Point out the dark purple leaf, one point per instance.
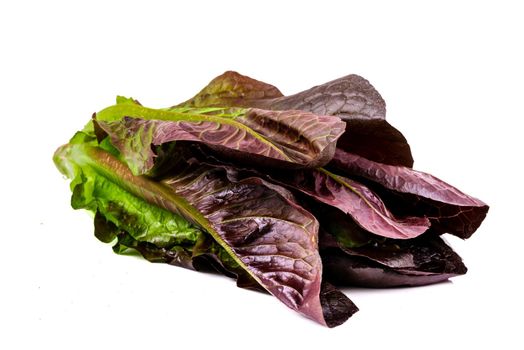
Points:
(336, 306)
(271, 236)
(424, 260)
(349, 97)
(344, 269)
(377, 140)
(176, 255)
(412, 192)
(355, 199)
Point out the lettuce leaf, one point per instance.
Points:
(354, 199)
(279, 138)
(349, 196)
(233, 89)
(99, 189)
(420, 261)
(349, 97)
(352, 98)
(257, 224)
(412, 192)
(353, 256)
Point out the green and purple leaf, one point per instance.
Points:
(233, 89)
(257, 223)
(282, 138)
(271, 236)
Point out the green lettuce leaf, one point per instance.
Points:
(99, 190)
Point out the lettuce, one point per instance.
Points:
(289, 195)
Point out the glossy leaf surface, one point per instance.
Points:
(288, 138)
(412, 192)
(354, 199)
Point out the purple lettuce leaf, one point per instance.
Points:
(352, 98)
(273, 237)
(349, 196)
(208, 256)
(349, 97)
(350, 260)
(410, 192)
(279, 138)
(352, 256)
(233, 89)
(354, 199)
(377, 140)
(258, 224)
(336, 306)
(351, 270)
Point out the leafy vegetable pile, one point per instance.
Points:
(288, 194)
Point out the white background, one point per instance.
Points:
(451, 74)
